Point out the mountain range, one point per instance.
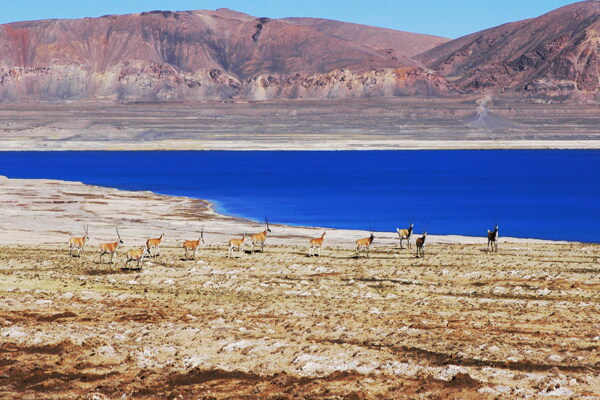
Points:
(227, 55)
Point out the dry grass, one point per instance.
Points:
(459, 323)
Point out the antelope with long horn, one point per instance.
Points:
(421, 245)
(236, 244)
(193, 245)
(493, 240)
(364, 244)
(136, 255)
(260, 238)
(405, 234)
(78, 242)
(111, 248)
(316, 243)
(154, 244)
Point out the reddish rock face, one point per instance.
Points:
(199, 55)
(555, 55)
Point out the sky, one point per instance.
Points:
(448, 18)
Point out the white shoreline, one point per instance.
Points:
(295, 144)
(42, 211)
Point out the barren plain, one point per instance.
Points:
(376, 123)
(458, 323)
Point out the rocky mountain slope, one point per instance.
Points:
(556, 55)
(390, 40)
(224, 54)
(199, 55)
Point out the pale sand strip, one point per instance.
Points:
(49, 212)
(294, 143)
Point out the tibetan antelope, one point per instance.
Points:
(316, 243)
(154, 244)
(493, 240)
(421, 245)
(110, 248)
(136, 255)
(405, 234)
(260, 238)
(236, 244)
(78, 242)
(364, 244)
(193, 245)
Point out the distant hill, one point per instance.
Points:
(225, 54)
(556, 55)
(405, 43)
(200, 55)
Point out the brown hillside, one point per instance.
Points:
(555, 55)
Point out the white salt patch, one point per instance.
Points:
(14, 332)
(449, 372)
(168, 281)
(555, 358)
(132, 282)
(242, 344)
(194, 361)
(543, 292)
(107, 351)
(561, 391)
(44, 302)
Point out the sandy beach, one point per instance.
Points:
(458, 323)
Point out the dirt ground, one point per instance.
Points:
(459, 323)
(354, 124)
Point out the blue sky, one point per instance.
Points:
(449, 18)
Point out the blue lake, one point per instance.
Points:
(547, 194)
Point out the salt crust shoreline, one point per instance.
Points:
(41, 211)
(296, 145)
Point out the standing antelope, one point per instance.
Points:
(236, 244)
(136, 255)
(318, 244)
(154, 243)
(78, 242)
(260, 238)
(405, 234)
(110, 248)
(421, 245)
(493, 240)
(364, 243)
(193, 245)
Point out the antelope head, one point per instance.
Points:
(267, 221)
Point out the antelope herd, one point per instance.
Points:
(77, 245)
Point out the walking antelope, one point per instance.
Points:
(78, 242)
(318, 244)
(193, 245)
(260, 238)
(110, 248)
(405, 234)
(493, 240)
(154, 244)
(236, 244)
(136, 255)
(421, 245)
(364, 244)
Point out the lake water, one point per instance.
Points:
(547, 194)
